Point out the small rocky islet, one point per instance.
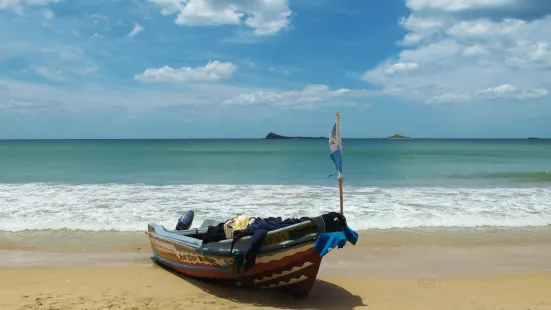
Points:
(275, 136)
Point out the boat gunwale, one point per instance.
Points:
(226, 252)
(187, 232)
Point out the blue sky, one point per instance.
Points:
(242, 68)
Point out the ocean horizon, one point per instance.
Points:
(260, 138)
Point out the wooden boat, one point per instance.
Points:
(287, 258)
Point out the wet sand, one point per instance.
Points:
(475, 269)
(137, 242)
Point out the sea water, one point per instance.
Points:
(121, 185)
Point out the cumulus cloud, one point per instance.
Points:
(265, 17)
(212, 71)
(461, 50)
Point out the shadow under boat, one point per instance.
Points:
(324, 295)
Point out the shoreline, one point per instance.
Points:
(82, 241)
(382, 252)
(351, 261)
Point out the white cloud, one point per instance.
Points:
(449, 98)
(418, 24)
(48, 72)
(308, 97)
(283, 70)
(411, 38)
(431, 52)
(484, 28)
(456, 5)
(500, 92)
(18, 5)
(29, 97)
(475, 50)
(48, 14)
(51, 60)
(531, 56)
(96, 97)
(265, 17)
(212, 71)
(470, 50)
(401, 67)
(137, 29)
(507, 91)
(421, 27)
(89, 70)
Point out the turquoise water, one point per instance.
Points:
(387, 163)
(125, 184)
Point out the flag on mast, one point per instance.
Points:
(335, 145)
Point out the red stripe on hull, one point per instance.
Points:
(199, 273)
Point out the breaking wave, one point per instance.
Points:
(129, 207)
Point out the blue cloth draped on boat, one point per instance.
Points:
(337, 233)
(258, 231)
(328, 241)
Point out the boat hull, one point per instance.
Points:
(292, 270)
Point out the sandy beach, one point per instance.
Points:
(431, 271)
(151, 287)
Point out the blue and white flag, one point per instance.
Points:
(335, 145)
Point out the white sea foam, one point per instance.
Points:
(131, 207)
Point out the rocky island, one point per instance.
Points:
(397, 137)
(274, 136)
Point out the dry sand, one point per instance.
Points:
(373, 287)
(389, 270)
(147, 287)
